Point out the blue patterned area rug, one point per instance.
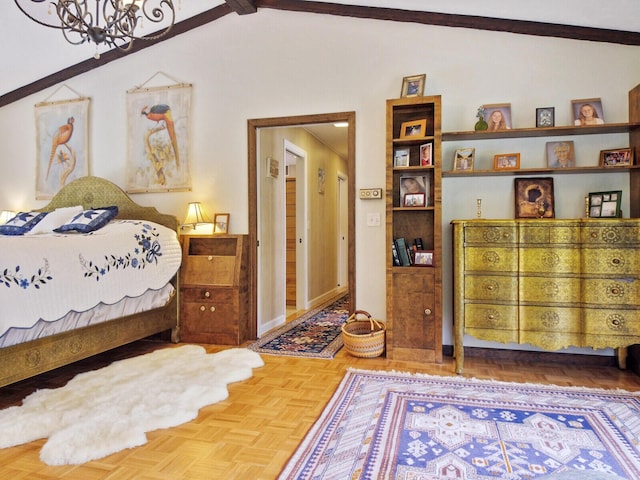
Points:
(316, 334)
(387, 425)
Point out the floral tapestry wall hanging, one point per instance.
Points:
(62, 144)
(158, 139)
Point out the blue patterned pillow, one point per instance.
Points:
(22, 223)
(89, 220)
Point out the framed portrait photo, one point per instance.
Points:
(426, 154)
(498, 116)
(534, 197)
(401, 157)
(414, 184)
(506, 161)
(545, 117)
(560, 154)
(463, 159)
(605, 204)
(413, 129)
(587, 111)
(413, 86)
(423, 258)
(221, 223)
(619, 157)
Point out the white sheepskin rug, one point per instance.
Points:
(104, 411)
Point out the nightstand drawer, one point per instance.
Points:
(208, 295)
(209, 270)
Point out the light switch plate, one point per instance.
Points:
(370, 193)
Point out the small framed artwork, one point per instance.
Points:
(414, 184)
(413, 86)
(587, 111)
(414, 200)
(426, 154)
(619, 157)
(560, 154)
(534, 197)
(401, 157)
(506, 161)
(413, 129)
(605, 204)
(498, 116)
(423, 258)
(545, 117)
(273, 167)
(463, 159)
(221, 223)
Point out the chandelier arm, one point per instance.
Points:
(39, 22)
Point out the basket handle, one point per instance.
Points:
(354, 318)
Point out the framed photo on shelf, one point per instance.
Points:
(414, 184)
(463, 160)
(423, 258)
(413, 129)
(506, 161)
(560, 154)
(414, 200)
(619, 157)
(498, 116)
(221, 223)
(605, 204)
(413, 86)
(545, 117)
(426, 154)
(401, 157)
(587, 111)
(534, 197)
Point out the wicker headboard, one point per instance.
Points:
(93, 192)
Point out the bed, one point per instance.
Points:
(32, 357)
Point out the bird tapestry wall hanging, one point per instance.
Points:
(158, 139)
(62, 136)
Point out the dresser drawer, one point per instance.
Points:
(611, 292)
(487, 316)
(550, 319)
(605, 233)
(490, 234)
(548, 290)
(551, 260)
(607, 321)
(491, 259)
(551, 340)
(611, 261)
(550, 234)
(491, 287)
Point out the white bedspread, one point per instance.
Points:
(45, 276)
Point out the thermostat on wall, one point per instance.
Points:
(370, 193)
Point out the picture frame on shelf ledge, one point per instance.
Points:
(414, 200)
(426, 154)
(413, 129)
(587, 111)
(560, 154)
(605, 204)
(423, 258)
(221, 223)
(463, 159)
(413, 86)
(401, 157)
(618, 157)
(506, 161)
(545, 117)
(497, 116)
(534, 197)
(414, 184)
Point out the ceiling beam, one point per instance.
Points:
(242, 7)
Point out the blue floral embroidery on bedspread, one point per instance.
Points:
(11, 277)
(146, 252)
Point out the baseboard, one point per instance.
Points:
(539, 357)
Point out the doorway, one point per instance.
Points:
(267, 240)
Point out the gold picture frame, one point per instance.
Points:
(221, 223)
(413, 129)
(463, 159)
(618, 157)
(413, 86)
(506, 161)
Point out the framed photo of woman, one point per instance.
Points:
(587, 111)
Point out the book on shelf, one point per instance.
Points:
(403, 252)
(417, 242)
(394, 253)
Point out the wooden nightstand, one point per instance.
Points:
(214, 289)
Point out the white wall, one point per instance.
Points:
(277, 63)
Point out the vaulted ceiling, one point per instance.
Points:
(41, 58)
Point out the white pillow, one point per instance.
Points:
(58, 217)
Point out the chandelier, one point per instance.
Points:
(112, 22)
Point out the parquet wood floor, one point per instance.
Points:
(252, 434)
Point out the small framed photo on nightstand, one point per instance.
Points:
(545, 117)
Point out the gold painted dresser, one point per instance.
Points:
(548, 283)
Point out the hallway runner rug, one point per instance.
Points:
(389, 425)
(316, 334)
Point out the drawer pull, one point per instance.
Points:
(210, 257)
(212, 309)
(594, 235)
(616, 261)
(207, 294)
(427, 311)
(204, 309)
(490, 287)
(615, 291)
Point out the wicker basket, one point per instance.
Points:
(363, 337)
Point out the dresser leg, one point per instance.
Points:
(622, 357)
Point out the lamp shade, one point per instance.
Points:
(195, 216)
